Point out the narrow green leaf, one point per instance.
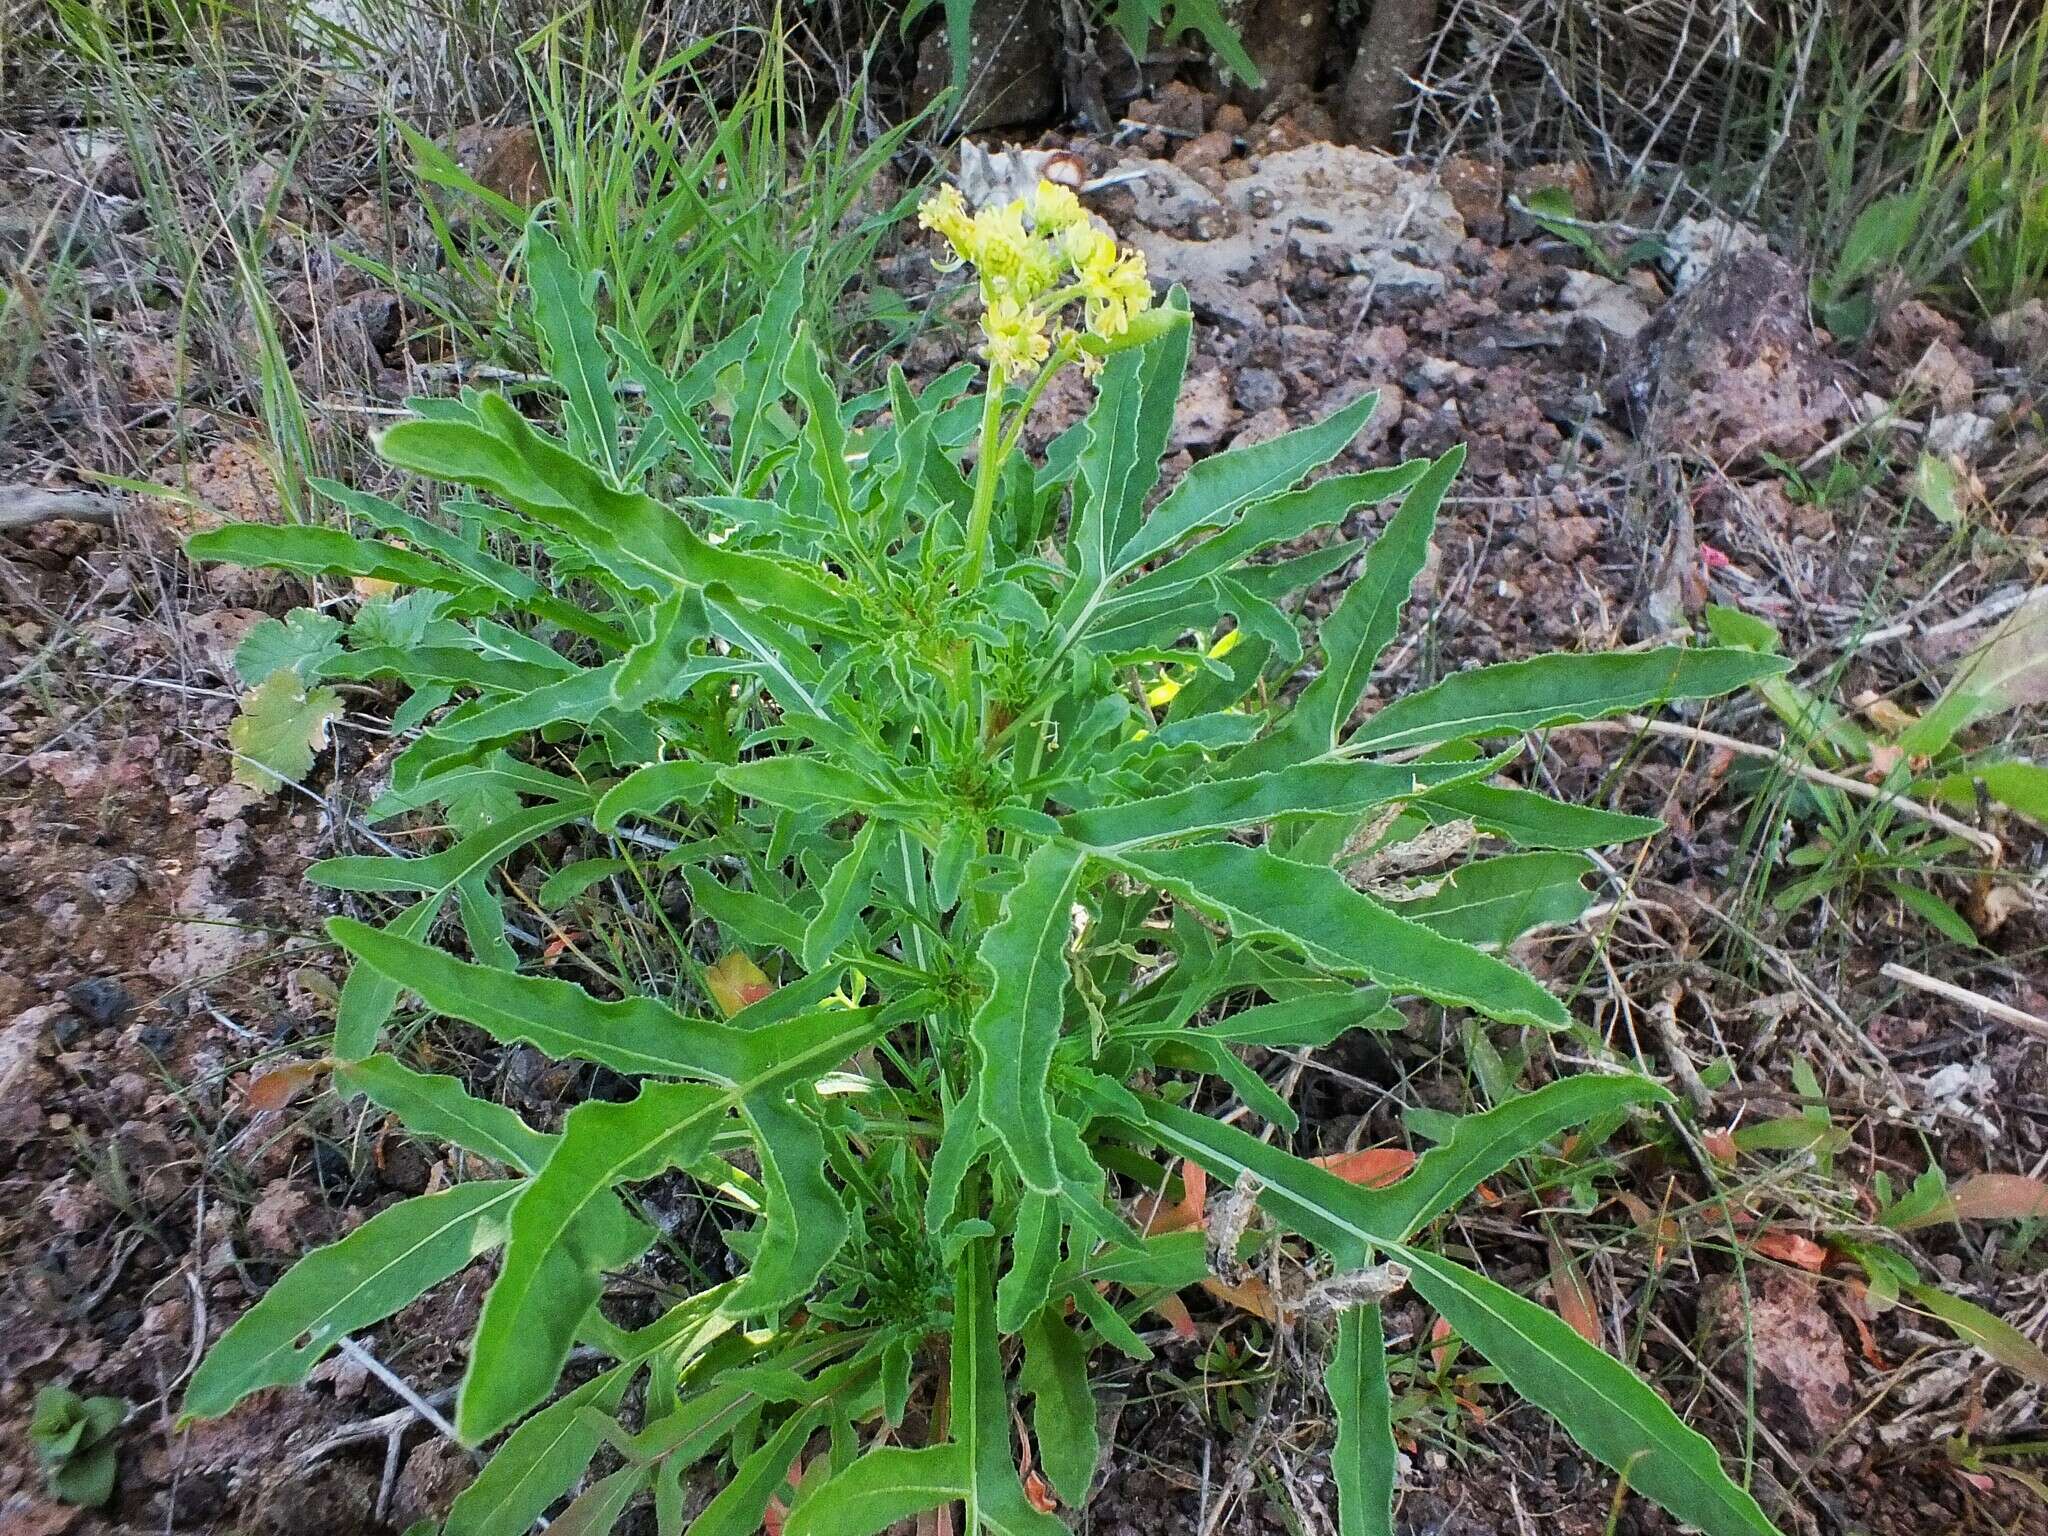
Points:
(1530, 820)
(1359, 628)
(566, 1230)
(843, 896)
(883, 1487)
(1597, 1400)
(440, 1107)
(383, 1265)
(1554, 690)
(1024, 956)
(1363, 1460)
(803, 1223)
(1034, 1255)
(1311, 909)
(1984, 1331)
(539, 1461)
(1320, 789)
(981, 1407)
(1055, 1377)
(1217, 488)
(565, 311)
(651, 790)
(438, 873)
(1493, 902)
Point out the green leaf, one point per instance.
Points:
(1024, 956)
(1981, 1330)
(651, 790)
(310, 551)
(572, 880)
(1055, 1377)
(565, 310)
(1218, 487)
(883, 1487)
(1119, 463)
(844, 894)
(1555, 690)
(1493, 902)
(597, 1509)
(281, 726)
(1597, 1400)
(437, 873)
(736, 1509)
(1311, 909)
(2022, 786)
(441, 1108)
(1363, 1459)
(383, 1265)
(567, 1228)
(641, 543)
(539, 1461)
(634, 1036)
(1530, 820)
(1359, 628)
(981, 1407)
(1034, 1255)
(1346, 1220)
(1320, 789)
(298, 643)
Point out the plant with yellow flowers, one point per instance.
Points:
(927, 864)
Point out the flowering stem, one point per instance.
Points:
(985, 472)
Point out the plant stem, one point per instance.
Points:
(985, 471)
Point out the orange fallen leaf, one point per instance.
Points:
(1038, 1493)
(1251, 1296)
(1373, 1167)
(1439, 1331)
(275, 1089)
(1655, 1225)
(1574, 1297)
(1189, 1212)
(1791, 1248)
(1175, 1311)
(1999, 1197)
(1720, 1146)
(1856, 1306)
(736, 982)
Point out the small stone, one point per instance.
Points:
(1203, 413)
(1230, 119)
(112, 882)
(2022, 333)
(1258, 389)
(1477, 190)
(100, 1000)
(1262, 428)
(1204, 152)
(1963, 434)
(1178, 108)
(1612, 306)
(1942, 377)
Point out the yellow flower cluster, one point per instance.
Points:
(1034, 257)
